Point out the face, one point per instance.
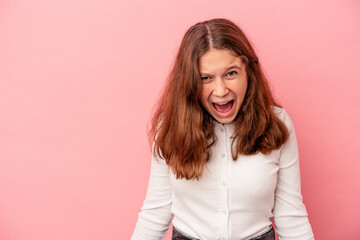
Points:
(224, 84)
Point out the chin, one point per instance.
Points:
(224, 120)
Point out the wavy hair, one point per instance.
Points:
(183, 131)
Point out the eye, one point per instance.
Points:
(205, 78)
(232, 73)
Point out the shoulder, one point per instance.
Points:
(283, 116)
(280, 112)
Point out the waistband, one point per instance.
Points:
(179, 235)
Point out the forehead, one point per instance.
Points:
(218, 59)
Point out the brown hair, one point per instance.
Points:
(183, 131)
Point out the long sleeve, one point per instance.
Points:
(155, 216)
(290, 215)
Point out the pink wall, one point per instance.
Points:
(78, 80)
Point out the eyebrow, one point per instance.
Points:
(227, 69)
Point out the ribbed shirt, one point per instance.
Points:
(233, 199)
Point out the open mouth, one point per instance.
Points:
(223, 107)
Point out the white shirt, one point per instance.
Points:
(233, 199)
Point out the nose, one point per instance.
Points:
(220, 89)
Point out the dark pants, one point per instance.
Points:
(269, 235)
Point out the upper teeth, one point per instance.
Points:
(222, 103)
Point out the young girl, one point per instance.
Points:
(225, 157)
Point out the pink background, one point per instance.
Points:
(78, 80)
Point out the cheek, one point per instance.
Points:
(245, 88)
(204, 96)
(242, 89)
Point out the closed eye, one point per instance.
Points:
(205, 78)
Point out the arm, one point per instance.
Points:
(155, 216)
(290, 216)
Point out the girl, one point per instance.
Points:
(225, 158)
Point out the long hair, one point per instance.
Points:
(183, 131)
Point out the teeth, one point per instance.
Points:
(223, 103)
